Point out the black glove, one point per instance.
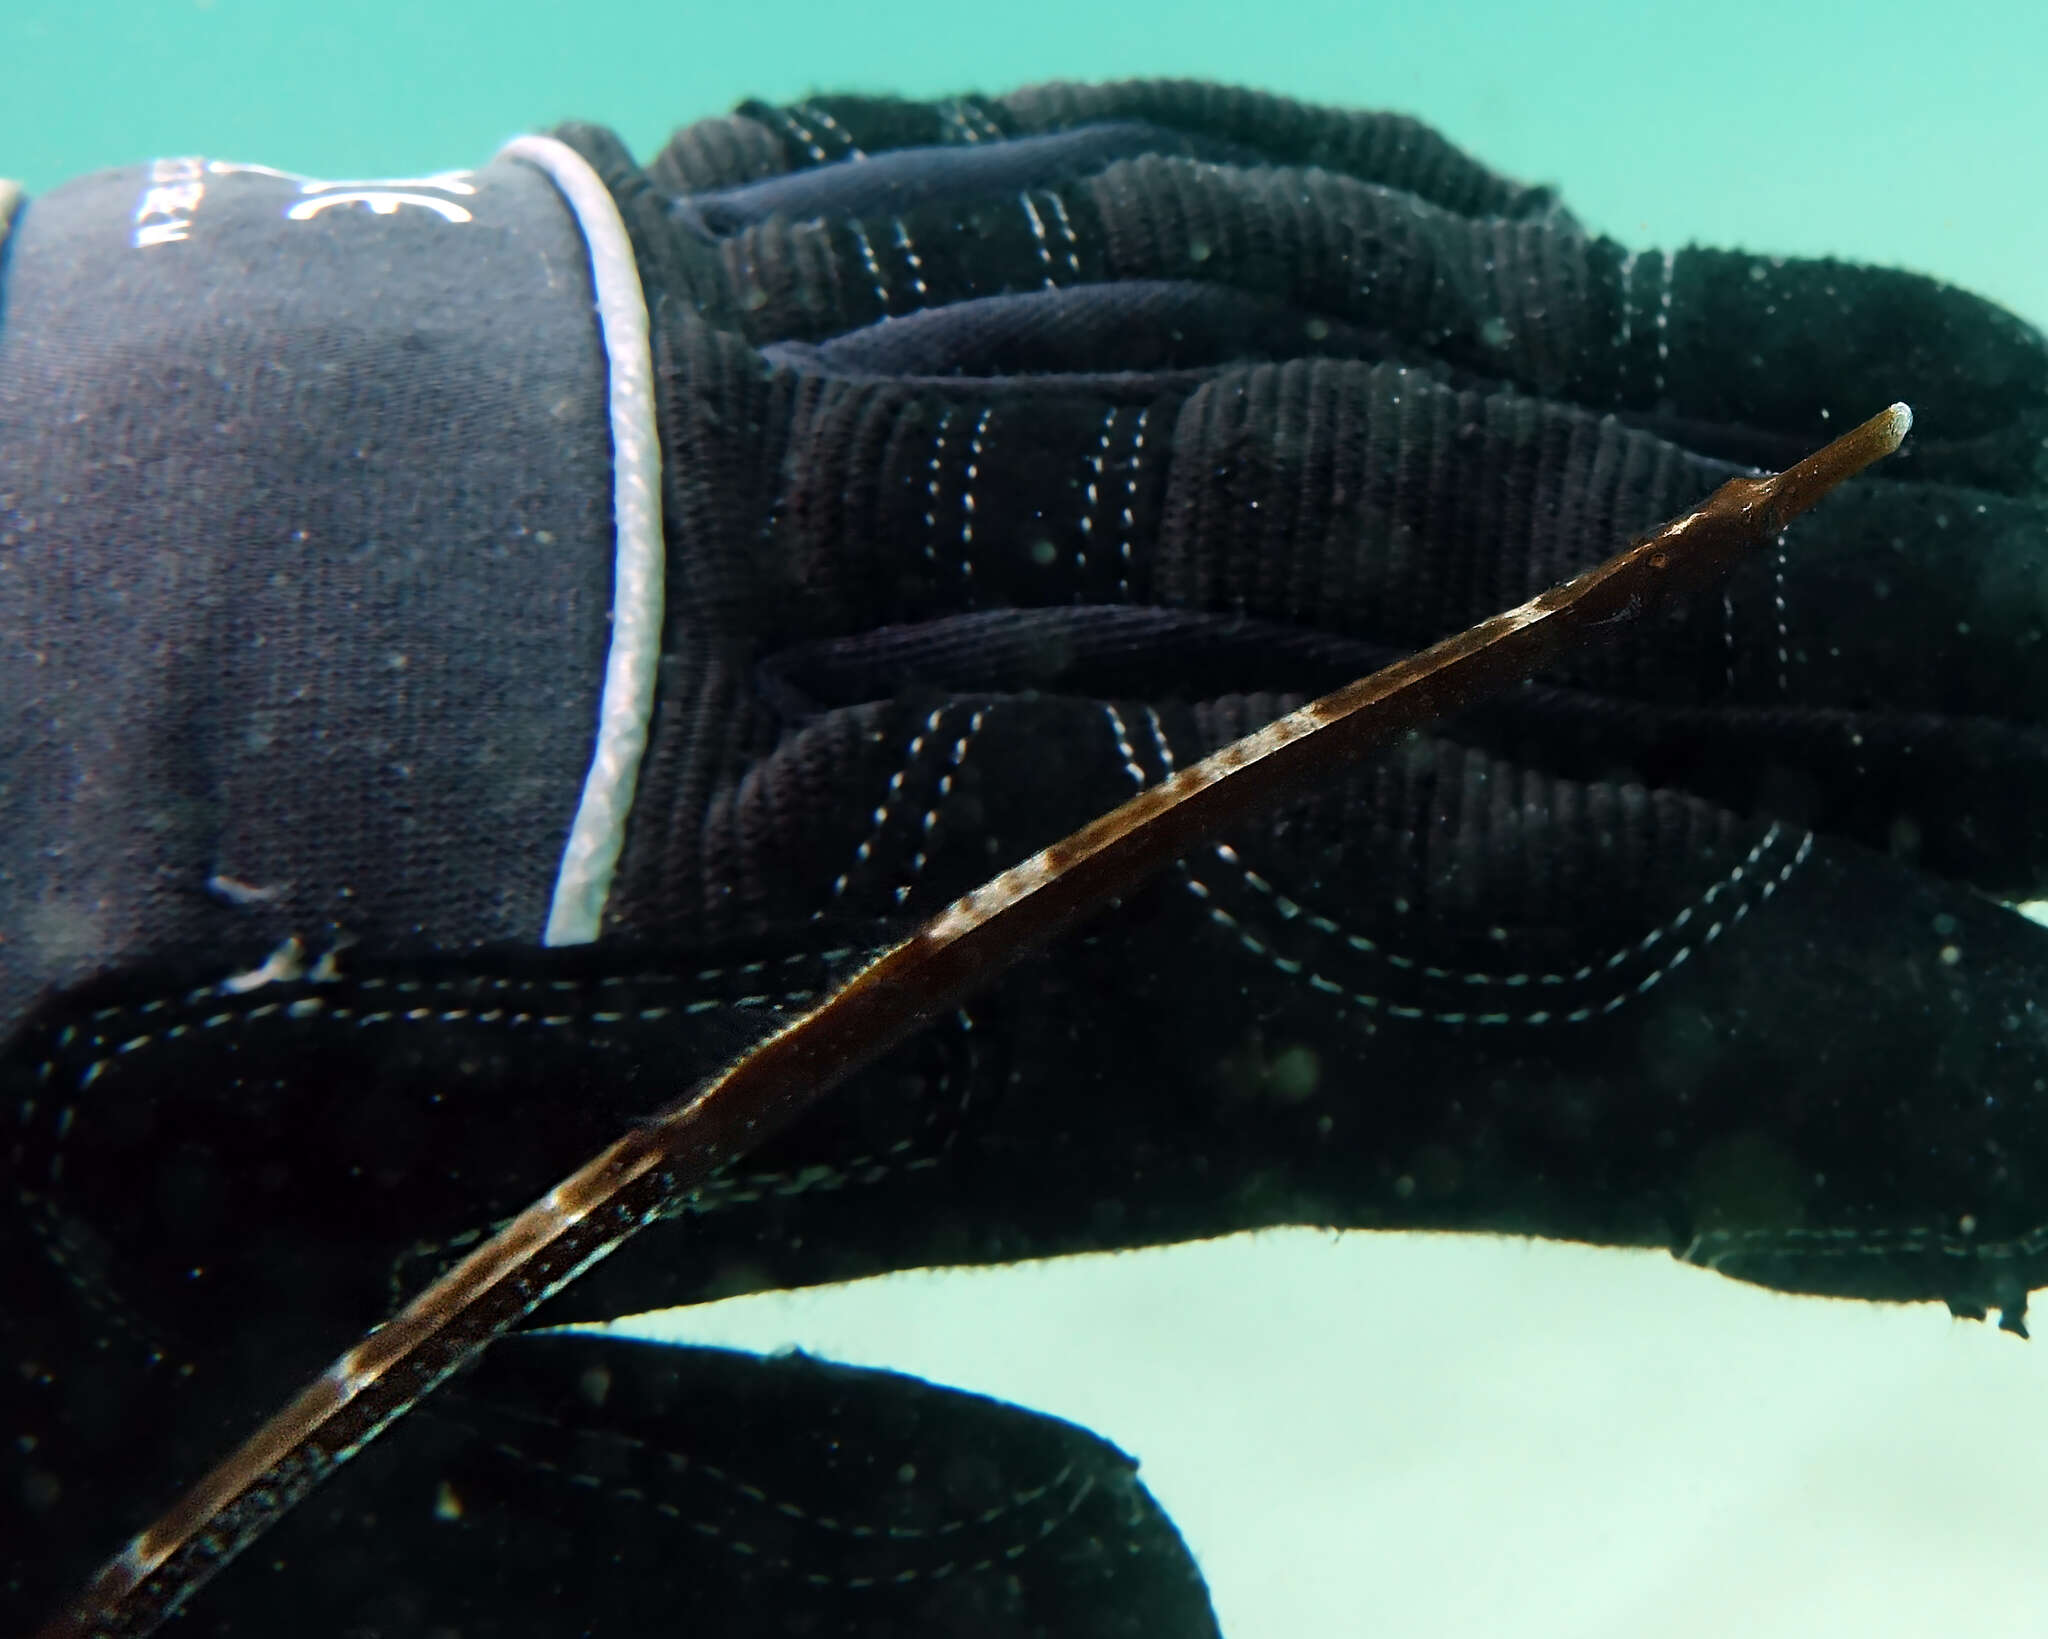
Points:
(1058, 440)
(1199, 433)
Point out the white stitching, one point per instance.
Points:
(910, 256)
(1059, 209)
(955, 115)
(823, 116)
(671, 1463)
(909, 1154)
(47, 1221)
(1092, 489)
(1289, 911)
(867, 253)
(338, 1008)
(865, 852)
(804, 134)
(1038, 232)
(903, 1155)
(1710, 1248)
(1124, 748)
(936, 468)
(1127, 518)
(1728, 637)
(973, 476)
(969, 110)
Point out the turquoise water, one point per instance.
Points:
(1389, 1434)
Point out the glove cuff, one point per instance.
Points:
(305, 506)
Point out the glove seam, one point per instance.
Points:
(590, 855)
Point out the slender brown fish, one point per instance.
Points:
(958, 952)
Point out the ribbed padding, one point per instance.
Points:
(888, 809)
(1466, 852)
(710, 728)
(1811, 345)
(1543, 398)
(1507, 299)
(843, 540)
(875, 124)
(1343, 220)
(814, 278)
(763, 139)
(1375, 500)
(772, 841)
(1387, 148)
(1538, 286)
(790, 279)
(717, 153)
(1374, 218)
(899, 503)
(1322, 241)
(725, 416)
(678, 271)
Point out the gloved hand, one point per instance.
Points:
(1201, 429)
(1016, 452)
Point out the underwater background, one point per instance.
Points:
(1361, 1433)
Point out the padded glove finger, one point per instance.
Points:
(763, 140)
(1103, 449)
(821, 500)
(1525, 299)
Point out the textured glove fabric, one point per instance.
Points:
(305, 527)
(1019, 451)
